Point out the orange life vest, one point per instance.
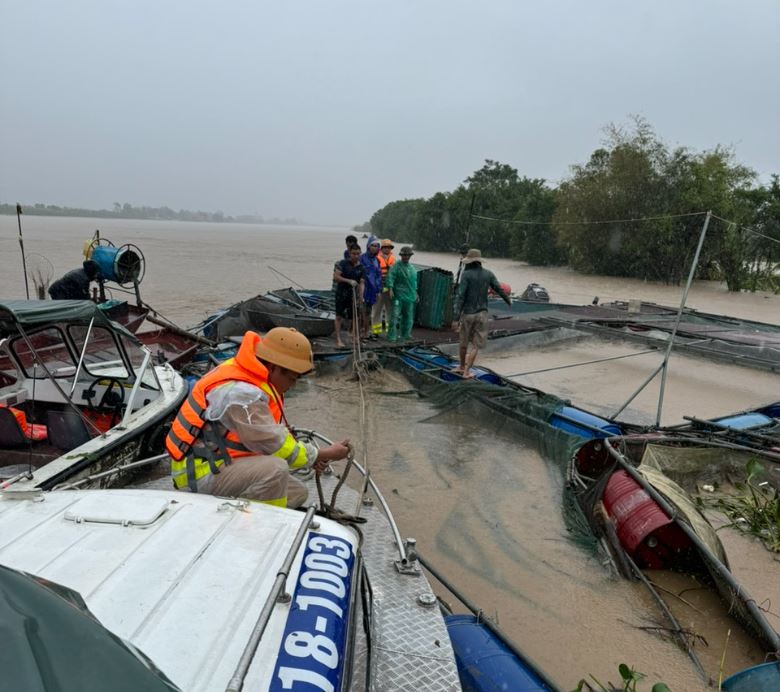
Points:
(189, 423)
(385, 263)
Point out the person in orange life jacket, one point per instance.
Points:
(384, 303)
(231, 438)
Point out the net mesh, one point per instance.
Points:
(528, 414)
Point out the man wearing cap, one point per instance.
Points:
(402, 289)
(384, 303)
(373, 281)
(231, 437)
(471, 315)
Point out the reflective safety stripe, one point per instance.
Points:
(293, 452)
(298, 459)
(198, 469)
(287, 447)
(279, 502)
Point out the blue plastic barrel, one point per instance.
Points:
(120, 264)
(485, 663)
(761, 678)
(105, 256)
(744, 421)
(582, 423)
(773, 410)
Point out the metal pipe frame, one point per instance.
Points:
(136, 386)
(110, 472)
(66, 398)
(691, 274)
(81, 357)
(385, 508)
(239, 675)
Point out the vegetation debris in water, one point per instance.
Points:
(755, 510)
(629, 678)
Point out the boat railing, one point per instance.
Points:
(136, 386)
(81, 357)
(404, 558)
(277, 593)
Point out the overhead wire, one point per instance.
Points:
(589, 223)
(747, 228)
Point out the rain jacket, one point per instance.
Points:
(402, 280)
(373, 279)
(232, 411)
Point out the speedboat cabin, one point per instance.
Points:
(70, 376)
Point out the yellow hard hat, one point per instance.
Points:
(288, 348)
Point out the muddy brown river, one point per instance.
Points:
(482, 502)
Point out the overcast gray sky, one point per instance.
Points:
(327, 109)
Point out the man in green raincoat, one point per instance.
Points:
(402, 283)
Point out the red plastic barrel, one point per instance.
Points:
(650, 537)
(504, 286)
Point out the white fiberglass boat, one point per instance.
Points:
(225, 594)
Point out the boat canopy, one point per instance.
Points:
(34, 313)
(39, 615)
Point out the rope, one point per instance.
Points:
(585, 362)
(330, 510)
(360, 373)
(359, 365)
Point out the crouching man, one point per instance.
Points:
(231, 437)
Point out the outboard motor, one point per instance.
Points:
(535, 294)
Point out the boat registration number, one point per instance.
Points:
(311, 654)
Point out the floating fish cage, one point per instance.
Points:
(434, 287)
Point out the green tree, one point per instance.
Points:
(604, 219)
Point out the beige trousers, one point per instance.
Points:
(383, 304)
(261, 478)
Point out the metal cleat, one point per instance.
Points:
(409, 565)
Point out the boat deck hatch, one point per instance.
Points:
(125, 510)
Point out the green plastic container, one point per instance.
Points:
(434, 286)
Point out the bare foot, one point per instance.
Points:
(339, 344)
(467, 376)
(457, 371)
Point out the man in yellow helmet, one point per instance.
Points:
(231, 437)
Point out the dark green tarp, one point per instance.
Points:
(50, 641)
(29, 314)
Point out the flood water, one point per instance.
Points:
(483, 503)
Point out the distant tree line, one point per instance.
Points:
(603, 218)
(129, 211)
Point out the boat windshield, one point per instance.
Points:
(51, 347)
(102, 356)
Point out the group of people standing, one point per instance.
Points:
(231, 437)
(374, 291)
